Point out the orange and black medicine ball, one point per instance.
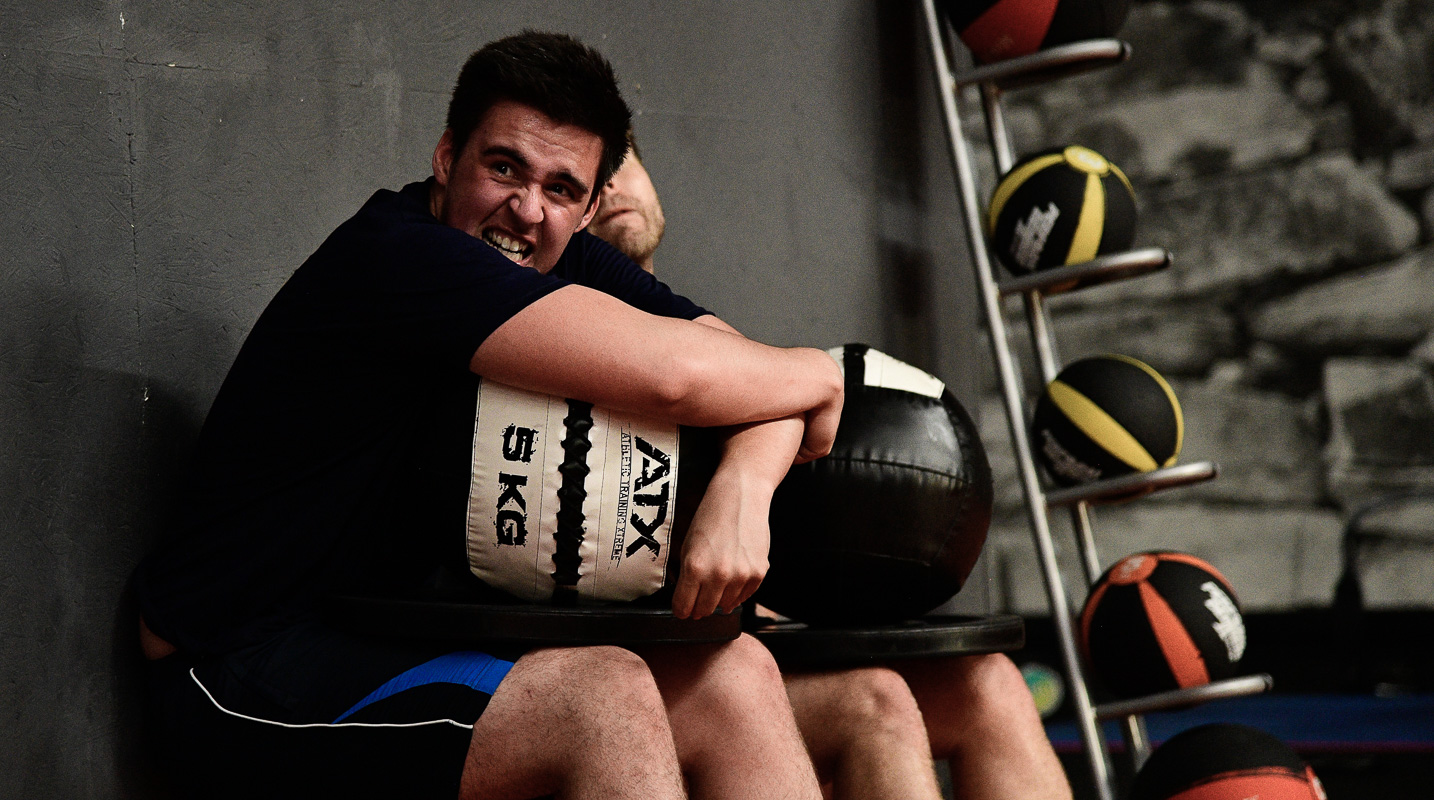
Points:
(1160, 621)
(1225, 761)
(889, 525)
(999, 29)
(1106, 416)
(1060, 207)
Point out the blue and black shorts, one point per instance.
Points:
(319, 712)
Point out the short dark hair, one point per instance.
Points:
(555, 74)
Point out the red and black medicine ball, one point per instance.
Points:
(1225, 761)
(889, 525)
(999, 29)
(1160, 621)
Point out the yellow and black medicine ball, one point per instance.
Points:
(1106, 416)
(1060, 207)
(1001, 29)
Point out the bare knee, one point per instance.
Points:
(855, 703)
(878, 698)
(844, 713)
(557, 717)
(752, 660)
(738, 679)
(991, 678)
(716, 692)
(596, 681)
(966, 699)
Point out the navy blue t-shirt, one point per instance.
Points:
(337, 451)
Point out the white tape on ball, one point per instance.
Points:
(883, 371)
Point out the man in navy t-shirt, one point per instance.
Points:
(335, 456)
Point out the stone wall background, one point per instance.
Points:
(1284, 152)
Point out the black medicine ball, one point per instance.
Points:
(1001, 29)
(1161, 621)
(888, 526)
(1060, 207)
(1225, 761)
(1106, 416)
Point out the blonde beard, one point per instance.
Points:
(637, 244)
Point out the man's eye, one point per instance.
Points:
(561, 191)
(502, 169)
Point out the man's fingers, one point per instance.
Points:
(708, 599)
(751, 588)
(695, 598)
(821, 431)
(684, 597)
(733, 596)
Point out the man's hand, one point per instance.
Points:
(822, 419)
(821, 429)
(724, 557)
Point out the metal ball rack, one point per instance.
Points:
(990, 82)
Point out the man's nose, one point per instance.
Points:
(527, 204)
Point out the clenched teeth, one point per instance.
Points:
(515, 251)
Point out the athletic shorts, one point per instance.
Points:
(319, 712)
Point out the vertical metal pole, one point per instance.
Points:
(996, 128)
(1085, 540)
(1043, 341)
(1041, 338)
(1015, 417)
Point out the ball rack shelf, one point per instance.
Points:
(990, 82)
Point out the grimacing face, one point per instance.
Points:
(521, 183)
(629, 216)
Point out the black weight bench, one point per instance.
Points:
(793, 644)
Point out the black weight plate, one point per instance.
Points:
(797, 645)
(527, 624)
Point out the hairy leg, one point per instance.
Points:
(574, 723)
(980, 715)
(865, 734)
(733, 726)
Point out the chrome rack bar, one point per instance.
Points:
(1127, 486)
(1048, 65)
(1015, 416)
(1234, 687)
(1099, 270)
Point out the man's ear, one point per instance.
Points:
(592, 208)
(443, 157)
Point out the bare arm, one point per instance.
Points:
(578, 342)
(724, 556)
(820, 423)
(781, 405)
(725, 552)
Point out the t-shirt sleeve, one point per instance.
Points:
(416, 295)
(592, 262)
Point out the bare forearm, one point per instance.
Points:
(763, 451)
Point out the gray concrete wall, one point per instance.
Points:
(166, 166)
